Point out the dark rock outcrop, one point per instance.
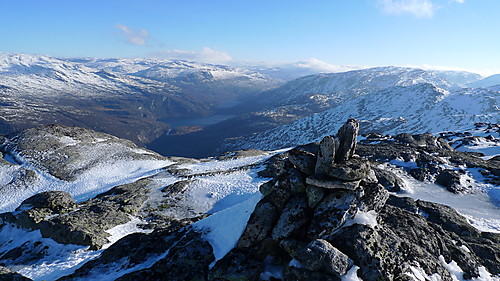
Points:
(57, 216)
(56, 201)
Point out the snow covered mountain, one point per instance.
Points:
(336, 88)
(493, 80)
(83, 205)
(133, 98)
(415, 108)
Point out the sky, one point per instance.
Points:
(446, 34)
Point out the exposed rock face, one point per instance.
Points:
(188, 259)
(55, 201)
(57, 216)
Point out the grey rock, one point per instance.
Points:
(292, 220)
(237, 266)
(326, 154)
(423, 140)
(451, 180)
(293, 181)
(389, 180)
(304, 161)
(87, 224)
(47, 148)
(447, 217)
(332, 183)
(188, 259)
(132, 250)
(350, 170)
(259, 225)
(177, 187)
(347, 136)
(278, 197)
(314, 195)
(320, 255)
(273, 165)
(374, 197)
(294, 273)
(332, 212)
(55, 201)
(241, 154)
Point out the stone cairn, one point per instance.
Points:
(316, 190)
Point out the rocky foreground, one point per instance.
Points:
(327, 211)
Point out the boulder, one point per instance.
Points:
(292, 219)
(349, 170)
(332, 183)
(326, 154)
(259, 225)
(374, 197)
(347, 136)
(188, 259)
(320, 255)
(236, 265)
(304, 161)
(389, 180)
(451, 179)
(314, 195)
(88, 222)
(332, 212)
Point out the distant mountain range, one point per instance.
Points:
(170, 105)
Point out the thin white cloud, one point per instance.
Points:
(138, 37)
(321, 66)
(417, 8)
(205, 55)
(459, 1)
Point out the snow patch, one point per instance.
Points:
(58, 259)
(122, 230)
(365, 218)
(351, 275)
(223, 229)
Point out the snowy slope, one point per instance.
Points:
(347, 85)
(489, 81)
(413, 109)
(223, 187)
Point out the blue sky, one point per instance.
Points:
(462, 34)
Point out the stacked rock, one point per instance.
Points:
(318, 189)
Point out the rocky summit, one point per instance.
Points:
(337, 209)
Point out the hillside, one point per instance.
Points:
(72, 211)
